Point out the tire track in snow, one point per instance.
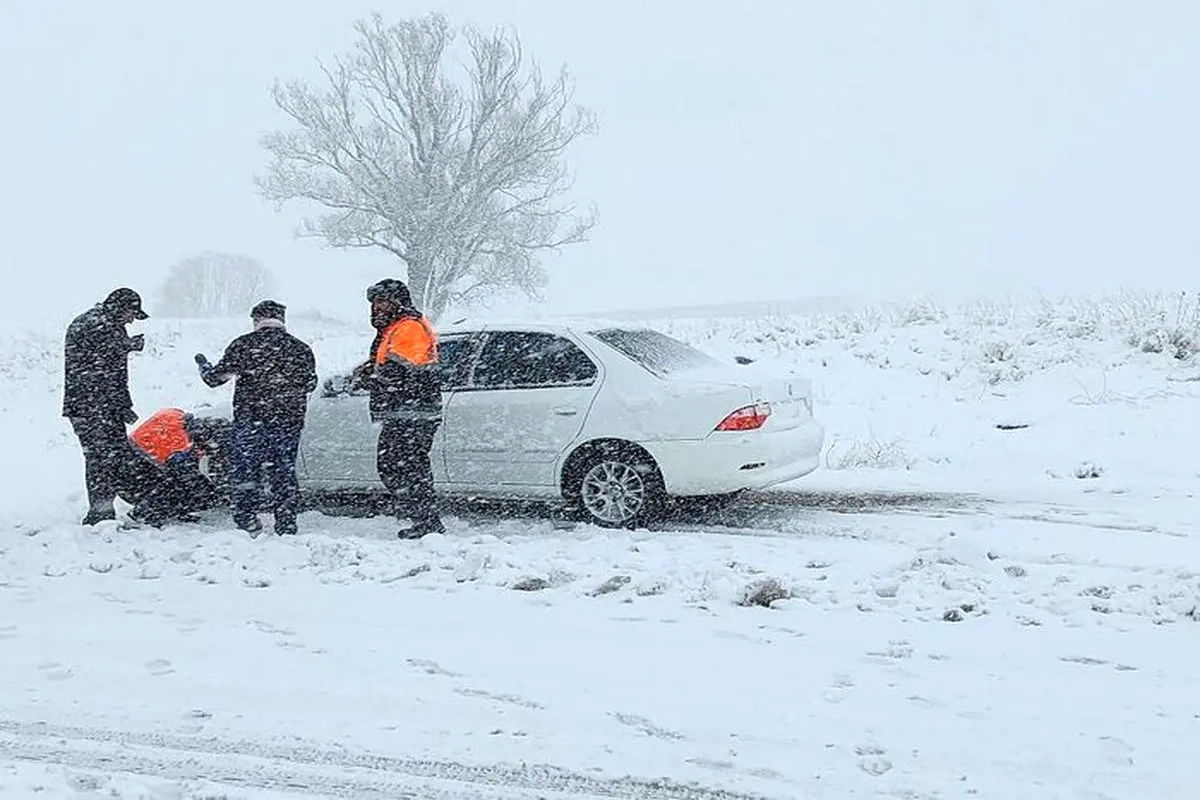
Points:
(777, 514)
(308, 769)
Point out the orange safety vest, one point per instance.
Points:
(411, 339)
(163, 435)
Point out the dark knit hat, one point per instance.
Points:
(268, 309)
(390, 290)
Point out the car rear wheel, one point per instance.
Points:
(617, 487)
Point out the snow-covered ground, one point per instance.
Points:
(990, 589)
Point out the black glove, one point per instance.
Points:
(202, 362)
(136, 343)
(130, 417)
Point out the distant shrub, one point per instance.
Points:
(866, 453)
(1000, 362)
(212, 285)
(920, 312)
(1159, 323)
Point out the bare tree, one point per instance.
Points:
(213, 285)
(461, 179)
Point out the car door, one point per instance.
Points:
(337, 448)
(456, 357)
(339, 443)
(526, 401)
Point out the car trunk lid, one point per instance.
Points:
(787, 395)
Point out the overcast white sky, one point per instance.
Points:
(746, 150)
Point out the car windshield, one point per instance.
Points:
(657, 352)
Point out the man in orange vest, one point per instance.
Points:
(171, 483)
(406, 397)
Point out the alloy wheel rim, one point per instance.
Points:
(613, 491)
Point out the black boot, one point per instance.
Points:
(142, 515)
(422, 528)
(250, 524)
(94, 517)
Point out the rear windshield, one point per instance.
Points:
(657, 352)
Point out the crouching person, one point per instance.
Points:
(170, 484)
(275, 372)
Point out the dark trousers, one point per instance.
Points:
(265, 449)
(404, 468)
(176, 488)
(107, 455)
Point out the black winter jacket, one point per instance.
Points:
(96, 367)
(275, 373)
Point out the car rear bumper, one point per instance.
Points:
(730, 461)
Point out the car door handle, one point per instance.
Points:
(565, 411)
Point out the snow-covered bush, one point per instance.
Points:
(1160, 323)
(999, 362)
(764, 592)
(866, 453)
(1070, 319)
(920, 312)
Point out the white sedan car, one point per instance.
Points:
(611, 419)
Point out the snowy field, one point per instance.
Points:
(990, 589)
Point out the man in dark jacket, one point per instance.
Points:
(406, 397)
(275, 373)
(96, 394)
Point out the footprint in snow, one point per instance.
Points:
(874, 765)
(159, 666)
(55, 671)
(838, 689)
(871, 759)
(8, 631)
(266, 627)
(1085, 660)
(646, 726)
(896, 649)
(431, 668)
(1116, 751)
(510, 699)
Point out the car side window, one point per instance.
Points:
(526, 359)
(454, 360)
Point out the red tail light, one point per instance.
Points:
(747, 418)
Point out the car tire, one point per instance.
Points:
(615, 486)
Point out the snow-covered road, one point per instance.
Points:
(933, 641)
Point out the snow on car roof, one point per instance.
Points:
(555, 324)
